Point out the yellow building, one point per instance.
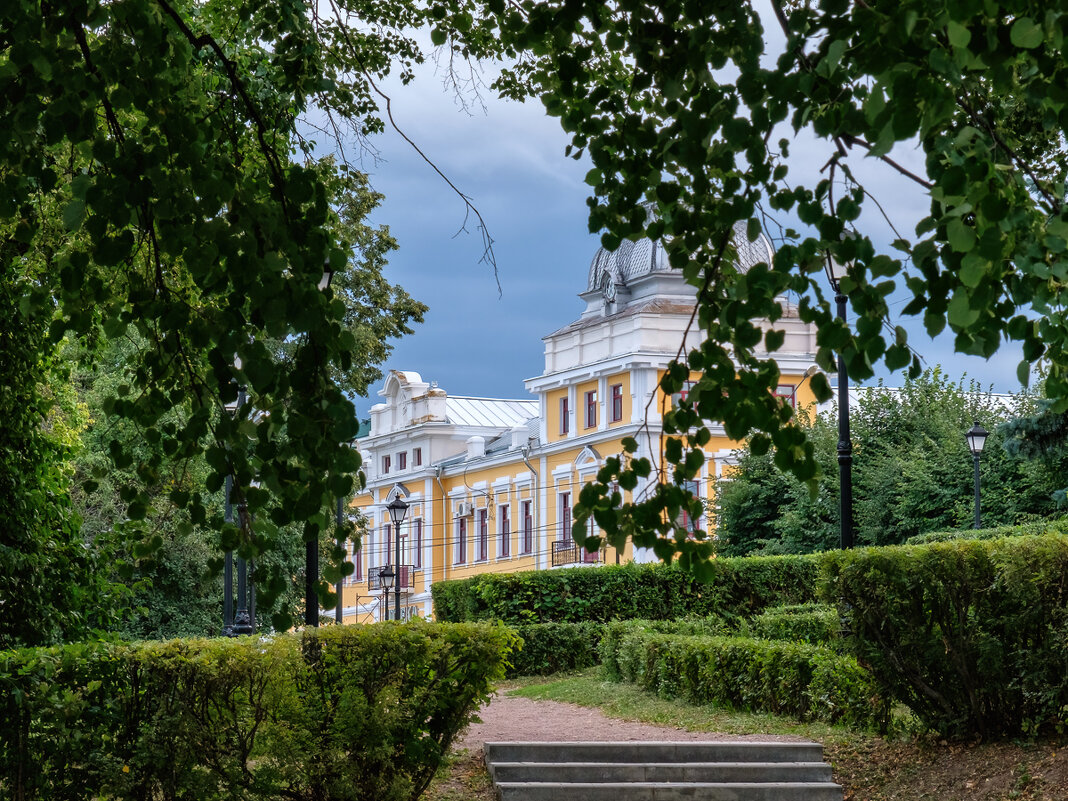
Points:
(491, 483)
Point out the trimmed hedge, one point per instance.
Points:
(554, 647)
(738, 588)
(1026, 529)
(971, 634)
(816, 624)
(343, 713)
(804, 681)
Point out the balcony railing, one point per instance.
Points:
(569, 553)
(405, 577)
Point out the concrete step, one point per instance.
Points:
(659, 771)
(704, 772)
(669, 791)
(658, 752)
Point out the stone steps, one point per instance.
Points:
(661, 771)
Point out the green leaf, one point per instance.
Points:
(821, 387)
(74, 214)
(773, 340)
(961, 237)
(1026, 33)
(960, 312)
(973, 268)
(959, 36)
(1023, 373)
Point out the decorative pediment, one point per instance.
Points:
(587, 457)
(396, 490)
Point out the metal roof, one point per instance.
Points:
(634, 259)
(492, 412)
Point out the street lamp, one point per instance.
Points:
(835, 273)
(244, 621)
(387, 577)
(311, 547)
(976, 437)
(398, 508)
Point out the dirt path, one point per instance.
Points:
(510, 718)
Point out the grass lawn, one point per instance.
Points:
(869, 767)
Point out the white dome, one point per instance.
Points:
(634, 259)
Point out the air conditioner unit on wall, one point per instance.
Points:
(465, 509)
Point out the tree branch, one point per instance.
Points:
(487, 254)
(208, 41)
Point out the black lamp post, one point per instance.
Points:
(338, 617)
(311, 547)
(243, 622)
(398, 508)
(388, 578)
(976, 437)
(836, 272)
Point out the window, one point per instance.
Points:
(691, 524)
(591, 409)
(385, 465)
(387, 539)
(402, 460)
(505, 526)
(357, 558)
(565, 517)
(461, 540)
(788, 392)
(683, 393)
(587, 556)
(563, 415)
(417, 457)
(417, 542)
(528, 527)
(617, 402)
(483, 535)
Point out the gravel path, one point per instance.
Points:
(510, 719)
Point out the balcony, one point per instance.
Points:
(569, 553)
(405, 577)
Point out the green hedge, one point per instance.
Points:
(804, 681)
(1025, 529)
(971, 634)
(738, 588)
(816, 624)
(342, 713)
(554, 647)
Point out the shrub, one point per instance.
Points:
(805, 681)
(611, 640)
(555, 647)
(737, 588)
(1027, 529)
(971, 634)
(343, 713)
(816, 624)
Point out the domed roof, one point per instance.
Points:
(634, 259)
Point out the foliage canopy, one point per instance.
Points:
(150, 179)
(913, 474)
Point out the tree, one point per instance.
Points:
(161, 135)
(677, 102)
(151, 191)
(912, 474)
(172, 591)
